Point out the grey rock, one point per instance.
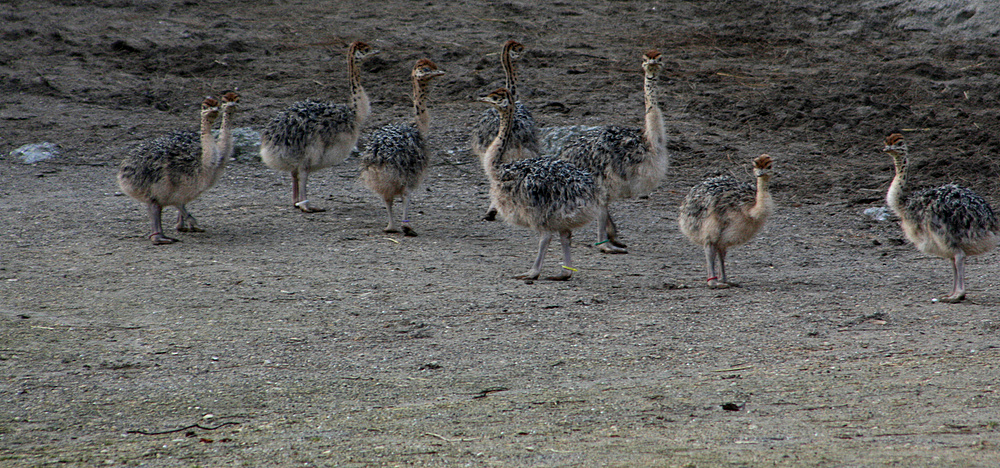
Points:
(246, 144)
(35, 152)
(881, 213)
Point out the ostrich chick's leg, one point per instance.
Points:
(407, 231)
(612, 232)
(566, 271)
(722, 270)
(605, 236)
(713, 278)
(186, 222)
(391, 227)
(958, 283)
(543, 245)
(299, 178)
(155, 210)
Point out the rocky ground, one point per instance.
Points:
(278, 338)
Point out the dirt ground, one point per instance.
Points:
(317, 340)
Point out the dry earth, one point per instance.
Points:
(317, 340)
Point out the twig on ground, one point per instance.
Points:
(193, 426)
(737, 368)
(439, 436)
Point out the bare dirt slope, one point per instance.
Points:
(304, 340)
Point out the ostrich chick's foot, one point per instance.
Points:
(612, 248)
(565, 275)
(409, 232)
(530, 275)
(186, 222)
(491, 215)
(954, 298)
(714, 283)
(159, 239)
(305, 207)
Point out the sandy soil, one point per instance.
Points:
(317, 340)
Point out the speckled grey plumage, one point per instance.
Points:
(718, 194)
(608, 150)
(954, 213)
(174, 156)
(524, 135)
(549, 187)
(398, 148)
(293, 129)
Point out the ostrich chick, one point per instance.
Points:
(627, 162)
(169, 171)
(395, 158)
(950, 222)
(525, 132)
(545, 194)
(722, 212)
(312, 135)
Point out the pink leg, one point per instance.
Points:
(299, 197)
(567, 269)
(612, 231)
(186, 222)
(543, 245)
(407, 230)
(155, 211)
(711, 255)
(722, 269)
(606, 233)
(958, 283)
(391, 227)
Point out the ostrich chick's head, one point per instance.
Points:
(651, 63)
(500, 98)
(895, 146)
(210, 108)
(425, 70)
(229, 101)
(762, 166)
(513, 49)
(361, 51)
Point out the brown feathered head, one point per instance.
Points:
(762, 166)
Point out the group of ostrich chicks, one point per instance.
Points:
(552, 194)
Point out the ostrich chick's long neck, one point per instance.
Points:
(894, 196)
(226, 135)
(509, 73)
(210, 153)
(655, 133)
(763, 203)
(421, 117)
(359, 98)
(493, 161)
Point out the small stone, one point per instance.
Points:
(246, 143)
(35, 152)
(880, 213)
